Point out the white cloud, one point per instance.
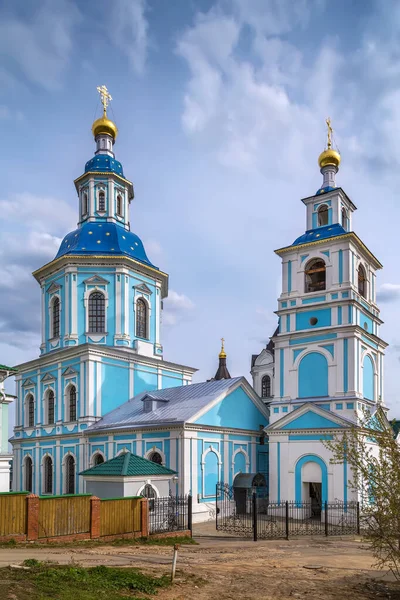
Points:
(40, 213)
(128, 30)
(40, 42)
(177, 307)
(388, 292)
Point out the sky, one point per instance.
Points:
(221, 108)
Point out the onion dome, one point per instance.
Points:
(103, 239)
(329, 157)
(104, 126)
(104, 164)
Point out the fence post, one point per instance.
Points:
(358, 518)
(32, 513)
(144, 517)
(216, 506)
(287, 519)
(190, 505)
(326, 518)
(255, 516)
(95, 517)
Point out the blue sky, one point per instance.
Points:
(221, 106)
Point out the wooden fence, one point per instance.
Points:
(64, 515)
(120, 515)
(66, 518)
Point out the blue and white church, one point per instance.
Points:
(324, 364)
(101, 385)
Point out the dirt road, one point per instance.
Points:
(230, 569)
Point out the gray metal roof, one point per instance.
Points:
(180, 405)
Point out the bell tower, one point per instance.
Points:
(328, 349)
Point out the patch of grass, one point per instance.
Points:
(32, 562)
(154, 541)
(44, 582)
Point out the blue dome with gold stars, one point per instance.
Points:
(320, 233)
(105, 164)
(103, 238)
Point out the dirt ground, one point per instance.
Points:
(227, 568)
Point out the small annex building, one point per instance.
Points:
(128, 475)
(205, 433)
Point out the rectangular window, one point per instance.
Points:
(350, 405)
(276, 410)
(339, 406)
(285, 409)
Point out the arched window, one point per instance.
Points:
(102, 201)
(344, 219)
(97, 313)
(50, 407)
(322, 215)
(98, 459)
(149, 492)
(30, 405)
(84, 203)
(48, 475)
(315, 276)
(70, 475)
(362, 281)
(55, 317)
(72, 403)
(119, 205)
(141, 318)
(28, 474)
(266, 386)
(156, 457)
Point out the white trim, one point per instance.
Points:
(149, 482)
(160, 452)
(203, 462)
(67, 416)
(92, 464)
(64, 472)
(42, 474)
(148, 315)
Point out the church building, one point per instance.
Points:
(101, 385)
(324, 365)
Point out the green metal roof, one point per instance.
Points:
(5, 368)
(128, 465)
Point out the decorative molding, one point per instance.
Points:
(143, 288)
(47, 378)
(70, 371)
(96, 280)
(54, 287)
(28, 382)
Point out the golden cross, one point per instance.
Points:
(222, 342)
(105, 97)
(330, 130)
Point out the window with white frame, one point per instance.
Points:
(28, 468)
(84, 203)
(97, 313)
(48, 475)
(30, 410)
(55, 317)
(119, 205)
(50, 407)
(141, 318)
(102, 201)
(71, 403)
(70, 474)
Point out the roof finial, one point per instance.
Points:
(222, 354)
(330, 130)
(105, 97)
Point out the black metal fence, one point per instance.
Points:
(254, 515)
(171, 513)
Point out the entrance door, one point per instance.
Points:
(316, 499)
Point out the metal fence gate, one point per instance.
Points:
(256, 516)
(171, 513)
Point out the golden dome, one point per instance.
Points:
(104, 126)
(329, 157)
(222, 354)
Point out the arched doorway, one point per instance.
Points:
(311, 482)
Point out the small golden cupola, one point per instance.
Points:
(222, 371)
(329, 161)
(104, 125)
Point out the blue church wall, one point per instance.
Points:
(313, 376)
(145, 380)
(236, 410)
(240, 463)
(311, 420)
(114, 387)
(303, 318)
(368, 378)
(211, 474)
